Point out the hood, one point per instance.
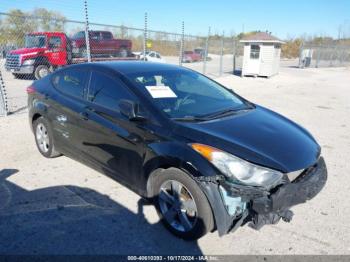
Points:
(260, 136)
(27, 51)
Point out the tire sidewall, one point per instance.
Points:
(37, 70)
(123, 52)
(50, 153)
(205, 220)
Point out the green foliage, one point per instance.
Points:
(291, 48)
(18, 23)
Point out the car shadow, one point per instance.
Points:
(75, 220)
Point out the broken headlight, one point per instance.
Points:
(238, 169)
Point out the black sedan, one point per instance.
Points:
(207, 158)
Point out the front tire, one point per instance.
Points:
(181, 204)
(44, 138)
(41, 71)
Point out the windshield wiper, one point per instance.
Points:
(226, 112)
(189, 119)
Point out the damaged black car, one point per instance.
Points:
(207, 158)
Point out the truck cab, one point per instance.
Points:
(42, 53)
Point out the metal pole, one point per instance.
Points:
(145, 39)
(300, 54)
(221, 53)
(87, 38)
(319, 50)
(3, 98)
(234, 55)
(206, 53)
(182, 43)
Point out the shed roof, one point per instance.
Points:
(261, 37)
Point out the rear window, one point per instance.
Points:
(79, 35)
(106, 35)
(71, 82)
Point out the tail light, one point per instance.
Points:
(31, 90)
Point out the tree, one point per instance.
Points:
(18, 23)
(15, 26)
(50, 20)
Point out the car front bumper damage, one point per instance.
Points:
(235, 205)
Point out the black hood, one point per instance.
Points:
(259, 136)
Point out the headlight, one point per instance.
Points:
(28, 62)
(235, 168)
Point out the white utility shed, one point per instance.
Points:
(262, 53)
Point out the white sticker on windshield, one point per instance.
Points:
(161, 91)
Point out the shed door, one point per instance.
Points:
(254, 60)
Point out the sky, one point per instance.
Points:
(284, 18)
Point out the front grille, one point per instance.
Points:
(12, 61)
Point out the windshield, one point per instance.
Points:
(35, 41)
(186, 94)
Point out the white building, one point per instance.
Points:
(262, 53)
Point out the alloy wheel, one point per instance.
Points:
(177, 206)
(42, 138)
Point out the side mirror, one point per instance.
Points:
(131, 110)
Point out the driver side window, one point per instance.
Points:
(107, 91)
(55, 41)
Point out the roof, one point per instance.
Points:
(261, 37)
(129, 67)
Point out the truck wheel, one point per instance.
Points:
(181, 204)
(83, 52)
(41, 71)
(123, 52)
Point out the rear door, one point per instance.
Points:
(109, 137)
(67, 107)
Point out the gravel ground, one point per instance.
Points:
(59, 206)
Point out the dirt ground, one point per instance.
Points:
(59, 206)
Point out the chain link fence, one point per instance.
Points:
(36, 43)
(330, 55)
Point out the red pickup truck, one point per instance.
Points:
(43, 52)
(101, 43)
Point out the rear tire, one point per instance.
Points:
(192, 217)
(123, 52)
(44, 138)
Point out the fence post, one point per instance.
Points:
(87, 36)
(319, 50)
(206, 52)
(182, 43)
(145, 38)
(300, 54)
(3, 97)
(221, 53)
(234, 55)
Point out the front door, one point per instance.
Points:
(254, 60)
(109, 137)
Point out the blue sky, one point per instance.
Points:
(283, 18)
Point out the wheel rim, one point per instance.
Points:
(177, 206)
(42, 138)
(123, 53)
(43, 71)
